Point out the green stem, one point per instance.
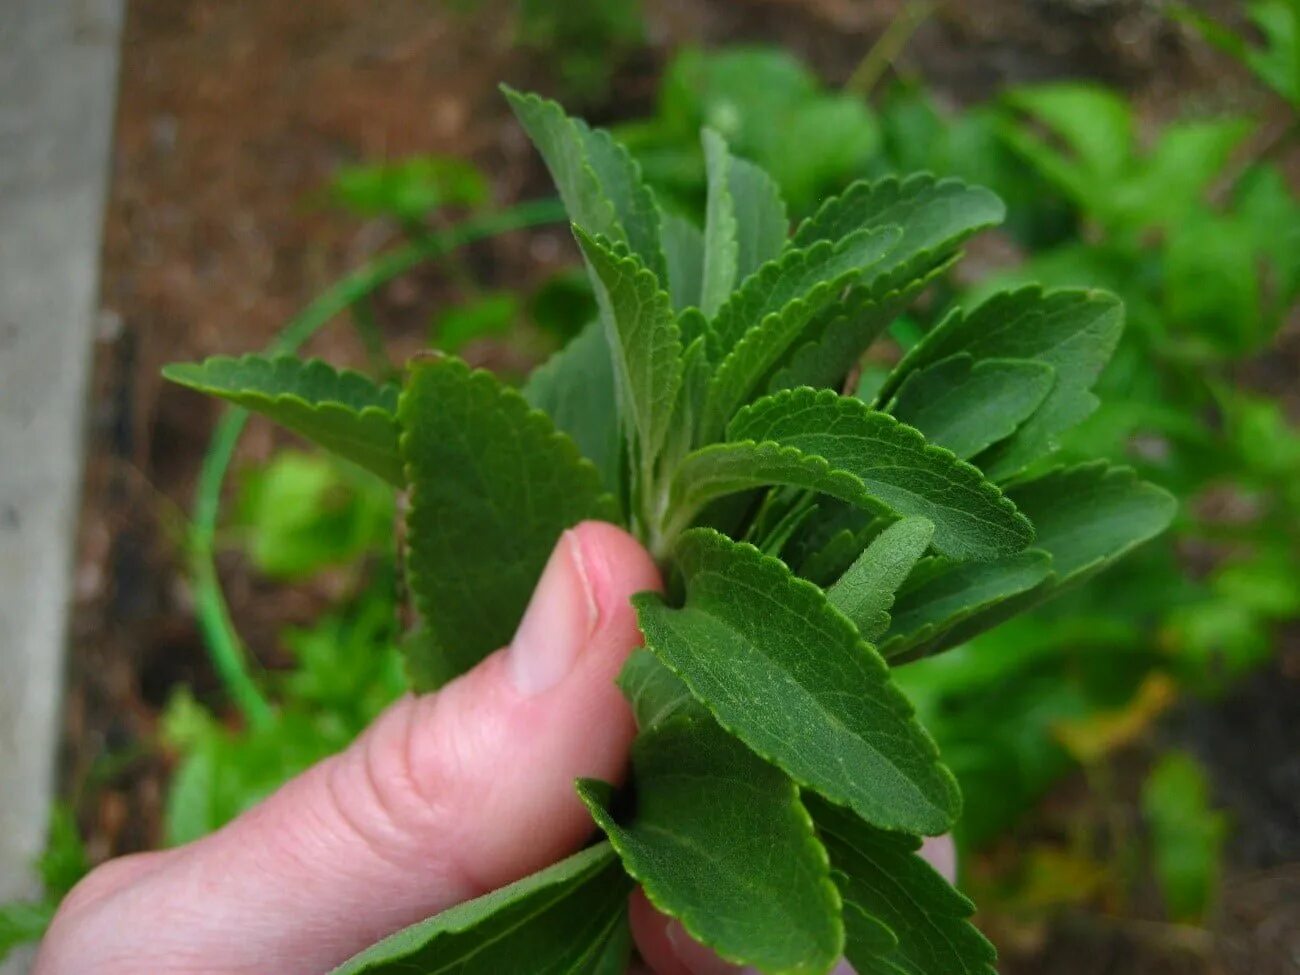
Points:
(886, 50)
(219, 635)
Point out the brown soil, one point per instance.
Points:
(233, 114)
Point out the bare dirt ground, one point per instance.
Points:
(233, 115)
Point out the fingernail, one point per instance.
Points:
(697, 959)
(559, 620)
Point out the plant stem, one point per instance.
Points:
(887, 49)
(224, 647)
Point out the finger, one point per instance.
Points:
(941, 853)
(445, 797)
(669, 950)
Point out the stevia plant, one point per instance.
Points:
(814, 535)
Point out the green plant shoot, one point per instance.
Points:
(815, 541)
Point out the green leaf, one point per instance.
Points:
(948, 594)
(690, 396)
(493, 485)
(841, 333)
(721, 243)
(771, 311)
(410, 189)
(684, 254)
(556, 922)
(762, 225)
(865, 592)
(23, 922)
(1073, 331)
(655, 692)
(1187, 835)
(830, 540)
(836, 555)
(304, 512)
(721, 842)
(966, 405)
(882, 876)
(971, 517)
(936, 216)
(575, 388)
(642, 332)
(1091, 515)
(1092, 129)
(343, 411)
(493, 313)
(727, 468)
(1087, 518)
(812, 276)
(770, 658)
(616, 956)
(598, 180)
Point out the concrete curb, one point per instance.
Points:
(58, 71)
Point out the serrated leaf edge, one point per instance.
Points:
(900, 186)
(305, 368)
(902, 705)
(688, 920)
(968, 470)
(717, 413)
(815, 464)
(897, 645)
(605, 506)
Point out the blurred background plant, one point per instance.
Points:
(1118, 750)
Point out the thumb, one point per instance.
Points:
(444, 797)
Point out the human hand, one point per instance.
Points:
(445, 797)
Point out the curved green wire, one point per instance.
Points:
(219, 635)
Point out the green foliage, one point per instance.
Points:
(1173, 219)
(882, 878)
(493, 486)
(766, 105)
(764, 896)
(587, 40)
(485, 316)
(770, 657)
(559, 921)
(972, 519)
(967, 405)
(23, 922)
(61, 865)
(1072, 332)
(1186, 835)
(347, 669)
(758, 691)
(344, 412)
(1275, 58)
(303, 512)
(865, 592)
(409, 190)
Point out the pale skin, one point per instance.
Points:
(445, 797)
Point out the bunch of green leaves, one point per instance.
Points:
(298, 516)
(63, 863)
(557, 309)
(586, 40)
(346, 670)
(1207, 280)
(408, 190)
(1187, 835)
(1202, 251)
(1274, 56)
(303, 512)
(814, 543)
(1207, 283)
(770, 108)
